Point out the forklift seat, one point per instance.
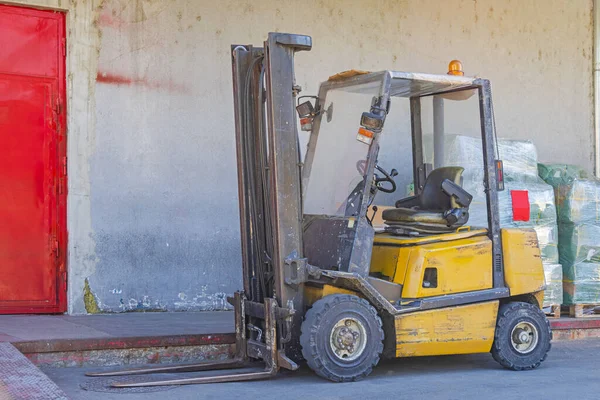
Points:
(442, 205)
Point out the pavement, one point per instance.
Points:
(570, 372)
(55, 328)
(24, 328)
(29, 383)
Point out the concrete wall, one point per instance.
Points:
(153, 221)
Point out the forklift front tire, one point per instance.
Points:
(522, 338)
(342, 338)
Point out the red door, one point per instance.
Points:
(32, 161)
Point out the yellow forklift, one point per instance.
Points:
(322, 283)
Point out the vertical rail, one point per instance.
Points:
(285, 182)
(240, 326)
(417, 144)
(438, 132)
(490, 183)
(271, 336)
(241, 58)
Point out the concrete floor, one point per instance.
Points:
(570, 372)
(19, 328)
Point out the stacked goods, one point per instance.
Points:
(520, 173)
(578, 205)
(553, 295)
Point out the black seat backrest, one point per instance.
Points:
(432, 197)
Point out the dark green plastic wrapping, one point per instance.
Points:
(578, 206)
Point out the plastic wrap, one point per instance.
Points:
(521, 173)
(560, 174)
(579, 202)
(578, 206)
(518, 156)
(542, 217)
(571, 184)
(553, 295)
(579, 246)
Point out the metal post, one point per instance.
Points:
(285, 182)
(417, 143)
(242, 57)
(438, 132)
(490, 183)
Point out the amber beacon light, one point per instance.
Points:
(455, 68)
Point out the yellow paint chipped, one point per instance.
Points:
(523, 270)
(347, 74)
(454, 330)
(314, 293)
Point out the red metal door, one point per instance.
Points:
(32, 161)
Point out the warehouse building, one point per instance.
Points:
(123, 112)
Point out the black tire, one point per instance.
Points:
(510, 317)
(319, 327)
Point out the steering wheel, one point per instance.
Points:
(386, 178)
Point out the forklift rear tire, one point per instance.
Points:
(342, 338)
(522, 338)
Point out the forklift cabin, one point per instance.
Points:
(431, 268)
(321, 283)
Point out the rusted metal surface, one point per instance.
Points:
(104, 385)
(267, 351)
(270, 357)
(285, 195)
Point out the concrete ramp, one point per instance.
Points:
(20, 379)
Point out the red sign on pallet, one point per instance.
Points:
(520, 205)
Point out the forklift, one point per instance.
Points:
(321, 282)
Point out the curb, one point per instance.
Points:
(128, 350)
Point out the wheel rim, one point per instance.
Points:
(348, 339)
(524, 337)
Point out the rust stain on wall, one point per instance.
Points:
(119, 80)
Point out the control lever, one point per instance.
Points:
(373, 216)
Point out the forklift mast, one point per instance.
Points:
(269, 175)
(268, 312)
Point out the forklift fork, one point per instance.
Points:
(246, 349)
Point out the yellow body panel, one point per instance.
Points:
(385, 238)
(463, 262)
(314, 293)
(462, 265)
(523, 270)
(539, 297)
(384, 260)
(455, 330)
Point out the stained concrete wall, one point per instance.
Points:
(153, 221)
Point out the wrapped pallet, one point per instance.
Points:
(579, 246)
(553, 295)
(542, 214)
(521, 173)
(578, 205)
